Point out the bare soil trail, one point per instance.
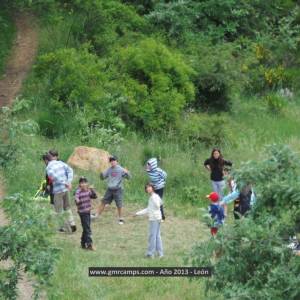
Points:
(20, 60)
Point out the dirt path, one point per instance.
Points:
(18, 65)
(20, 61)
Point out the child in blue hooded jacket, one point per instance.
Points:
(157, 178)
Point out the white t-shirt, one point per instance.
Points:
(153, 209)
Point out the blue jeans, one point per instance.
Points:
(154, 239)
(218, 187)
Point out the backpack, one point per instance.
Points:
(243, 205)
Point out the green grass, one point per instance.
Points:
(251, 127)
(7, 33)
(125, 246)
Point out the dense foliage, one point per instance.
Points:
(130, 74)
(107, 68)
(250, 258)
(6, 36)
(27, 241)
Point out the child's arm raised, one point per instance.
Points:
(142, 212)
(126, 173)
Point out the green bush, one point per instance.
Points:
(7, 31)
(27, 241)
(250, 258)
(219, 19)
(193, 195)
(212, 92)
(72, 77)
(106, 24)
(157, 84)
(10, 128)
(204, 129)
(75, 81)
(250, 261)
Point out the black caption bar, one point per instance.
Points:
(149, 272)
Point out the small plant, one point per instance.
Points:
(203, 129)
(275, 102)
(193, 194)
(100, 136)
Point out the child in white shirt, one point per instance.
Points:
(154, 213)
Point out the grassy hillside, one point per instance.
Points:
(142, 79)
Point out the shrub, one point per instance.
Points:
(157, 85)
(193, 194)
(250, 258)
(27, 241)
(212, 92)
(10, 127)
(76, 81)
(6, 36)
(72, 77)
(204, 129)
(106, 24)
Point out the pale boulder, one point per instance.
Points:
(90, 159)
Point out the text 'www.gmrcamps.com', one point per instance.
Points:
(150, 272)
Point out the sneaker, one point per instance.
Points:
(91, 248)
(94, 216)
(62, 230)
(149, 256)
(160, 256)
(73, 228)
(121, 222)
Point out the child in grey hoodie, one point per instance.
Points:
(114, 177)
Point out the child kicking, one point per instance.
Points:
(114, 178)
(216, 212)
(158, 178)
(83, 199)
(154, 214)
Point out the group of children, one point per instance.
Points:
(155, 188)
(243, 199)
(59, 176)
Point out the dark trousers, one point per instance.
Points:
(160, 193)
(86, 237)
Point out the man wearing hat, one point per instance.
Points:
(114, 178)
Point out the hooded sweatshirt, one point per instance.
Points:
(153, 209)
(156, 175)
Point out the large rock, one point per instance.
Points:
(88, 158)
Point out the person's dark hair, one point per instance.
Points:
(53, 152)
(149, 184)
(113, 157)
(83, 180)
(46, 157)
(220, 159)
